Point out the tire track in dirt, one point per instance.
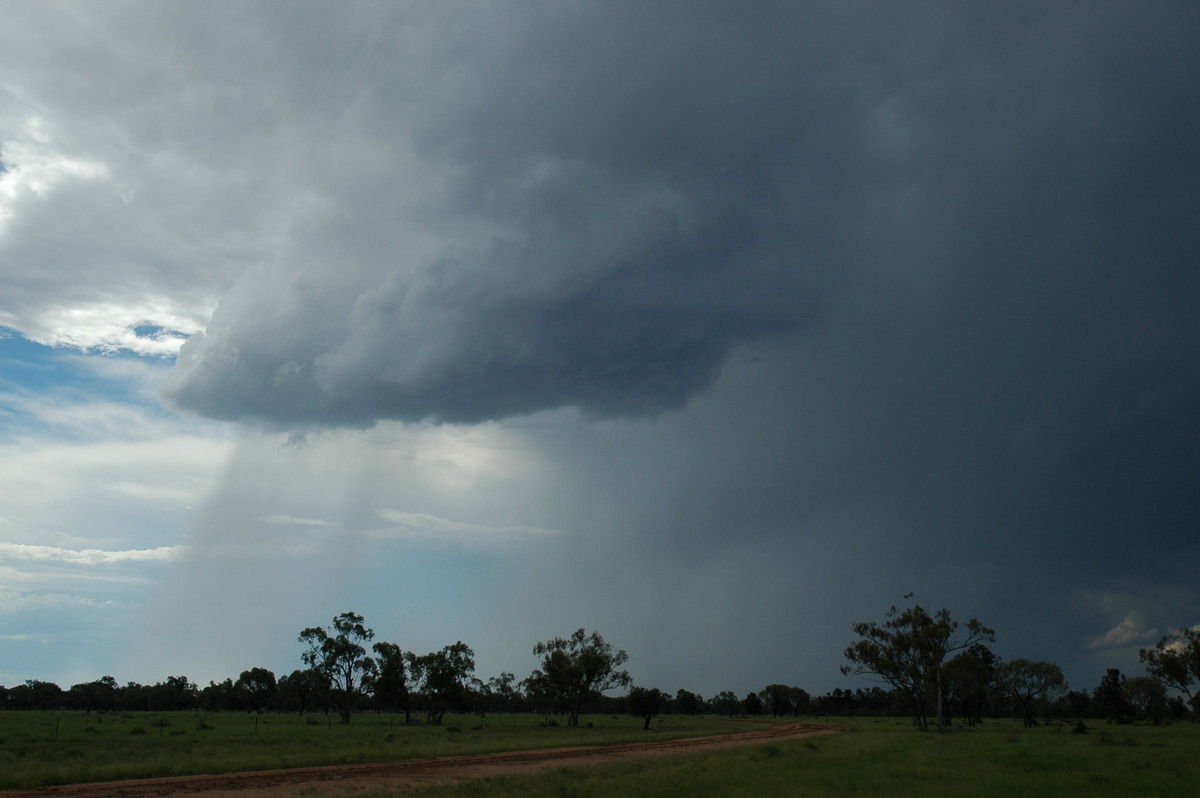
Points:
(350, 780)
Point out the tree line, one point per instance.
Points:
(938, 670)
(933, 670)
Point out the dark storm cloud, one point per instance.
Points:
(611, 203)
(614, 204)
(926, 278)
(997, 399)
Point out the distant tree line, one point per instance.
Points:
(939, 670)
(932, 671)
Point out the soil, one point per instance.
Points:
(345, 781)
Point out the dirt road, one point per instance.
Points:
(350, 780)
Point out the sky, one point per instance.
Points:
(711, 327)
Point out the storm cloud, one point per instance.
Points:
(637, 305)
(599, 223)
(596, 207)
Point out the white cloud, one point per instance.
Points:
(114, 235)
(59, 300)
(15, 601)
(89, 481)
(33, 170)
(110, 326)
(103, 490)
(1130, 631)
(290, 520)
(25, 551)
(423, 528)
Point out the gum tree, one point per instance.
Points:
(1149, 695)
(339, 655)
(1029, 682)
(256, 688)
(577, 669)
(907, 651)
(646, 703)
(967, 678)
(1175, 661)
(391, 679)
(443, 676)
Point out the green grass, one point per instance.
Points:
(879, 757)
(888, 758)
(50, 748)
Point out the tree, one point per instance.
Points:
(256, 689)
(578, 669)
(907, 651)
(391, 679)
(1028, 682)
(646, 703)
(1149, 695)
(174, 694)
(1109, 697)
(967, 677)
(780, 700)
(443, 676)
(220, 697)
(302, 690)
(687, 702)
(340, 657)
(538, 693)
(1175, 661)
(99, 695)
(1079, 704)
(726, 702)
(36, 694)
(503, 693)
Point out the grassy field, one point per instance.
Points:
(888, 758)
(880, 757)
(48, 748)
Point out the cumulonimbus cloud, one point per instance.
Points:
(605, 243)
(554, 218)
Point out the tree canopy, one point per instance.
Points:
(255, 688)
(1028, 682)
(907, 651)
(577, 669)
(443, 675)
(391, 678)
(646, 703)
(1175, 661)
(339, 654)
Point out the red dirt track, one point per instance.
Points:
(349, 780)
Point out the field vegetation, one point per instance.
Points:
(880, 756)
(49, 748)
(884, 756)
